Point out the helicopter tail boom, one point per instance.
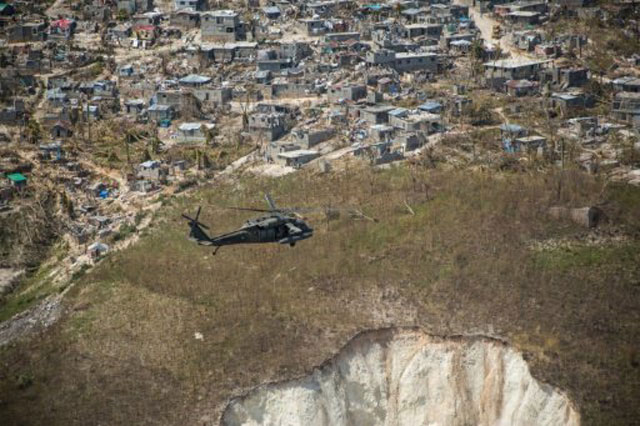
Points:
(198, 232)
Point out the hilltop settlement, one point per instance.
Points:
(107, 106)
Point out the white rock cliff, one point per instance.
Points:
(409, 378)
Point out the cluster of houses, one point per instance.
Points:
(359, 61)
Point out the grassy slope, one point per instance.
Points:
(126, 352)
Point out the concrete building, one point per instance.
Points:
(404, 61)
(509, 69)
(134, 6)
(296, 158)
(308, 138)
(347, 92)
(626, 107)
(190, 4)
(222, 25)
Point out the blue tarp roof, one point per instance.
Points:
(269, 10)
(430, 106)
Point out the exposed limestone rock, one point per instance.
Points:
(406, 377)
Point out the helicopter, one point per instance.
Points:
(283, 226)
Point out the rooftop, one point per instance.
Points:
(512, 63)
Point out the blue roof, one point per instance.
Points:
(430, 106)
(195, 79)
(271, 10)
(398, 112)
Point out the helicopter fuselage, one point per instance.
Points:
(268, 229)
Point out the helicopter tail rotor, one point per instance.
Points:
(197, 228)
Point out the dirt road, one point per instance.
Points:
(485, 23)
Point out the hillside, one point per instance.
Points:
(163, 332)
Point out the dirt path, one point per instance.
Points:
(485, 23)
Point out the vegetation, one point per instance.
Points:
(454, 252)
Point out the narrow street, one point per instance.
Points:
(485, 23)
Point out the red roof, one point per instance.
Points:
(145, 28)
(63, 24)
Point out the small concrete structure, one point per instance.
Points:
(297, 158)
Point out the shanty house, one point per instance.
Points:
(159, 112)
(185, 18)
(307, 138)
(297, 158)
(27, 32)
(626, 107)
(18, 180)
(512, 70)
(61, 129)
(134, 107)
(222, 25)
(62, 28)
(377, 114)
(189, 4)
(194, 132)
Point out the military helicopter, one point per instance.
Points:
(283, 226)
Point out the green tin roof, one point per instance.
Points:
(16, 177)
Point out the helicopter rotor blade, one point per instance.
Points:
(193, 221)
(198, 213)
(249, 209)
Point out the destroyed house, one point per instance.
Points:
(343, 92)
(421, 61)
(423, 30)
(274, 65)
(27, 32)
(504, 10)
(145, 32)
(567, 101)
(120, 31)
(151, 170)
(126, 71)
(297, 158)
(269, 122)
(147, 18)
(134, 107)
(222, 25)
(567, 76)
(313, 27)
(160, 113)
(61, 129)
(271, 12)
(626, 108)
(296, 51)
(62, 28)
(307, 138)
(521, 87)
(134, 6)
(447, 40)
(408, 121)
(185, 18)
(512, 70)
(56, 97)
(626, 84)
(189, 4)
(342, 36)
(377, 114)
(523, 17)
(194, 132)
